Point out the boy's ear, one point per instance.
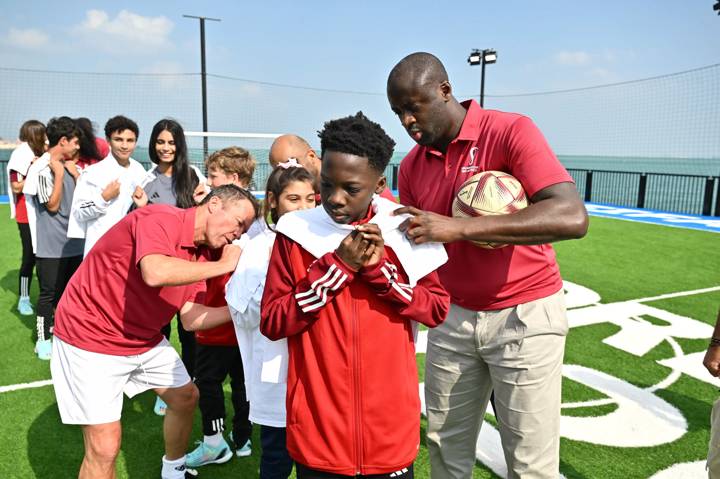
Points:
(381, 184)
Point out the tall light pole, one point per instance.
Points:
(203, 75)
(482, 57)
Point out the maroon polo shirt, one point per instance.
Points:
(107, 307)
(476, 278)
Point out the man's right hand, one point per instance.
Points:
(230, 256)
(712, 360)
(111, 191)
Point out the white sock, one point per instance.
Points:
(174, 469)
(214, 440)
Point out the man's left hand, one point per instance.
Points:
(426, 226)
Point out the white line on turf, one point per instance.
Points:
(677, 295)
(17, 387)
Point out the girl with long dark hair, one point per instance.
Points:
(172, 182)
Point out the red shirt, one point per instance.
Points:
(429, 179)
(21, 215)
(223, 335)
(107, 307)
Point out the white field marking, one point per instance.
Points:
(683, 470)
(675, 373)
(677, 295)
(34, 384)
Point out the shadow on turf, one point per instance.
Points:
(55, 450)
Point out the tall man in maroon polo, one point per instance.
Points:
(507, 324)
(147, 267)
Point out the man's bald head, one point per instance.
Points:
(417, 70)
(293, 146)
(287, 146)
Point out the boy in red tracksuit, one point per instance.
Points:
(347, 288)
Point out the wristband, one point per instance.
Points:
(714, 341)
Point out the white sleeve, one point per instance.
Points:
(88, 203)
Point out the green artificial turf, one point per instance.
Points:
(618, 259)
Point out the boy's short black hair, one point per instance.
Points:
(359, 136)
(121, 123)
(62, 126)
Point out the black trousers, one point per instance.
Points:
(187, 344)
(213, 365)
(303, 472)
(28, 260)
(53, 275)
(275, 462)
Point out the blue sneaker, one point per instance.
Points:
(160, 407)
(24, 306)
(243, 451)
(43, 348)
(205, 454)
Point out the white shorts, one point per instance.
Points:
(89, 386)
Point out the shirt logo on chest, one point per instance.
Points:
(471, 167)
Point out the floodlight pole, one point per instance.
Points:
(482, 81)
(203, 77)
(482, 57)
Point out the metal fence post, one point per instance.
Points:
(707, 198)
(641, 191)
(588, 185)
(393, 184)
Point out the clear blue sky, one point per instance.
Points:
(353, 45)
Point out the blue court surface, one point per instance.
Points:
(676, 220)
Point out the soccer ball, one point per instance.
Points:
(489, 193)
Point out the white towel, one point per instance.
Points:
(317, 233)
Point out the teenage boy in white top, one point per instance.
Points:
(49, 185)
(104, 191)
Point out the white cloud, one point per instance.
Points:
(127, 29)
(572, 58)
(30, 38)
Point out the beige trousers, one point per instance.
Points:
(713, 460)
(518, 353)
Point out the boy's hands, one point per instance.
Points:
(376, 248)
(364, 246)
(139, 197)
(111, 191)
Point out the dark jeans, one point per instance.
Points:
(275, 462)
(28, 260)
(53, 275)
(187, 344)
(303, 472)
(213, 365)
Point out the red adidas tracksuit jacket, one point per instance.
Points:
(352, 391)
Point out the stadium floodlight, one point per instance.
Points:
(203, 76)
(482, 57)
(717, 7)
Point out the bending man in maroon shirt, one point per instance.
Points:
(507, 324)
(108, 340)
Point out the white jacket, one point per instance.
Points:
(265, 362)
(91, 215)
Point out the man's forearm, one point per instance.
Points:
(160, 270)
(197, 317)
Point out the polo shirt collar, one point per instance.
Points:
(188, 228)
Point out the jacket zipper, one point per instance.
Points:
(356, 380)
